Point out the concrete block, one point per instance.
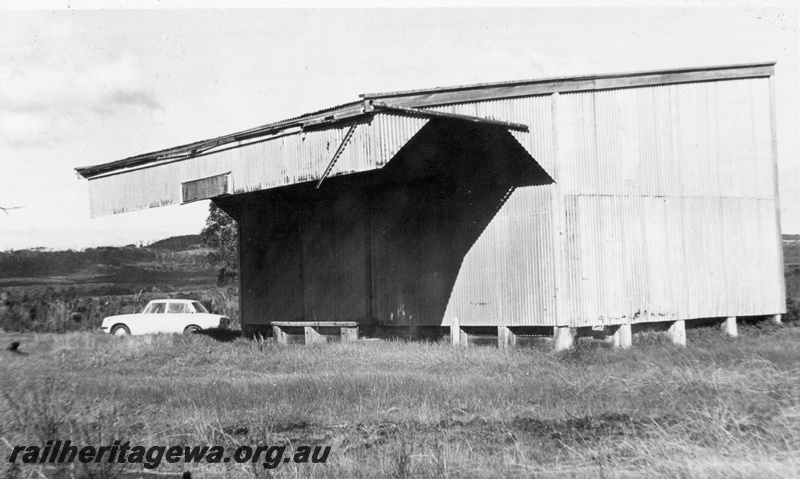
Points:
(563, 337)
(677, 333)
(622, 337)
(505, 338)
(728, 326)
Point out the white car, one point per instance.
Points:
(165, 316)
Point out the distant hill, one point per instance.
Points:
(169, 264)
(178, 243)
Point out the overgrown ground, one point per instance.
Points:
(721, 407)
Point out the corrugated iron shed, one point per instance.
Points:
(581, 201)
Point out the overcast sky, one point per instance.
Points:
(82, 87)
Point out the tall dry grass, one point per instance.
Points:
(720, 408)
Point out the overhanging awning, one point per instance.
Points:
(253, 161)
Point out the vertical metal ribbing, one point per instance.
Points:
(668, 187)
(284, 160)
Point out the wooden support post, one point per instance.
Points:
(677, 333)
(279, 335)
(562, 336)
(505, 338)
(455, 333)
(349, 334)
(728, 326)
(775, 318)
(312, 336)
(622, 337)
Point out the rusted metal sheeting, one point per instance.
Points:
(281, 161)
(506, 278)
(646, 258)
(695, 139)
(534, 111)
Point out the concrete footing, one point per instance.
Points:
(348, 334)
(505, 338)
(558, 338)
(457, 336)
(563, 337)
(312, 336)
(728, 326)
(279, 335)
(677, 333)
(623, 337)
(314, 332)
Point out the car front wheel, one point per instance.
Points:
(120, 330)
(191, 329)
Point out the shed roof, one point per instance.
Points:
(412, 102)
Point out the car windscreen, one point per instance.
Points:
(198, 307)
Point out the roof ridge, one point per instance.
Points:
(598, 76)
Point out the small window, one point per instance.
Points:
(177, 308)
(198, 307)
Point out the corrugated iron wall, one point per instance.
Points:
(667, 200)
(508, 276)
(669, 203)
(645, 258)
(695, 139)
(284, 160)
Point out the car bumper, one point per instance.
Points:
(103, 329)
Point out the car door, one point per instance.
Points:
(200, 316)
(177, 317)
(153, 321)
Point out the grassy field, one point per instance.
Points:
(721, 408)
